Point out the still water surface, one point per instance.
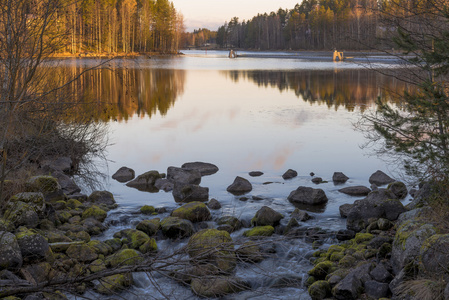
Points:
(243, 115)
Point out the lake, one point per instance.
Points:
(244, 114)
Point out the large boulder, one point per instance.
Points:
(174, 228)
(213, 247)
(33, 246)
(339, 177)
(359, 190)
(266, 216)
(20, 213)
(289, 174)
(202, 167)
(380, 178)
(408, 241)
(378, 204)
(102, 198)
(150, 227)
(43, 184)
(193, 211)
(217, 286)
(307, 196)
(434, 254)
(124, 174)
(240, 186)
(184, 192)
(146, 181)
(68, 186)
(399, 189)
(95, 212)
(180, 175)
(10, 254)
(82, 252)
(35, 200)
(135, 238)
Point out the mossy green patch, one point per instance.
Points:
(321, 269)
(193, 211)
(114, 284)
(259, 231)
(319, 290)
(347, 261)
(95, 212)
(363, 237)
(147, 210)
(125, 257)
(148, 246)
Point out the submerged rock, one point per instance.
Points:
(173, 227)
(202, 167)
(193, 211)
(380, 178)
(308, 196)
(214, 204)
(146, 181)
(339, 177)
(359, 190)
(124, 174)
(240, 186)
(184, 192)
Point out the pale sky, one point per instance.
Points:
(213, 13)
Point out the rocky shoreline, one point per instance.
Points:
(47, 233)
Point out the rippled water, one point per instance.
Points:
(243, 115)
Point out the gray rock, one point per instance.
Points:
(202, 167)
(62, 164)
(124, 174)
(414, 214)
(408, 242)
(348, 288)
(345, 209)
(345, 235)
(21, 214)
(240, 186)
(233, 222)
(397, 281)
(301, 215)
(421, 197)
(339, 177)
(359, 190)
(434, 254)
(399, 189)
(378, 241)
(164, 184)
(180, 175)
(255, 173)
(376, 289)
(10, 254)
(146, 181)
(379, 178)
(381, 274)
(33, 246)
(184, 192)
(446, 292)
(214, 204)
(67, 184)
(102, 198)
(317, 180)
(174, 228)
(192, 211)
(308, 196)
(289, 174)
(34, 200)
(378, 204)
(266, 216)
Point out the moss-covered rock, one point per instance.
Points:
(78, 236)
(21, 214)
(82, 252)
(174, 227)
(319, 290)
(363, 237)
(100, 247)
(35, 200)
(259, 231)
(233, 222)
(125, 257)
(135, 238)
(321, 269)
(192, 211)
(147, 210)
(398, 188)
(74, 204)
(97, 266)
(95, 212)
(266, 216)
(148, 246)
(114, 243)
(114, 284)
(217, 286)
(102, 198)
(6, 225)
(250, 252)
(43, 184)
(10, 254)
(34, 247)
(64, 216)
(434, 254)
(215, 247)
(347, 261)
(150, 227)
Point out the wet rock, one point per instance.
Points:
(408, 242)
(339, 177)
(202, 167)
(266, 216)
(147, 210)
(289, 174)
(102, 198)
(134, 238)
(434, 254)
(379, 178)
(381, 274)
(259, 231)
(33, 246)
(359, 190)
(111, 285)
(79, 197)
(214, 247)
(398, 188)
(250, 252)
(308, 196)
(146, 181)
(124, 174)
(82, 252)
(176, 228)
(300, 215)
(345, 234)
(321, 269)
(348, 288)
(240, 186)
(193, 211)
(68, 186)
(95, 212)
(10, 253)
(317, 180)
(180, 175)
(255, 173)
(319, 290)
(257, 198)
(124, 257)
(214, 204)
(100, 247)
(164, 184)
(217, 286)
(378, 204)
(183, 192)
(345, 209)
(150, 227)
(231, 221)
(376, 289)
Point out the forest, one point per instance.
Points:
(117, 26)
(311, 25)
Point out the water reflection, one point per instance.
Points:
(342, 88)
(121, 93)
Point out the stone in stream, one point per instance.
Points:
(180, 175)
(240, 186)
(124, 174)
(339, 177)
(289, 174)
(308, 196)
(266, 216)
(255, 173)
(184, 192)
(359, 190)
(202, 167)
(380, 178)
(146, 181)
